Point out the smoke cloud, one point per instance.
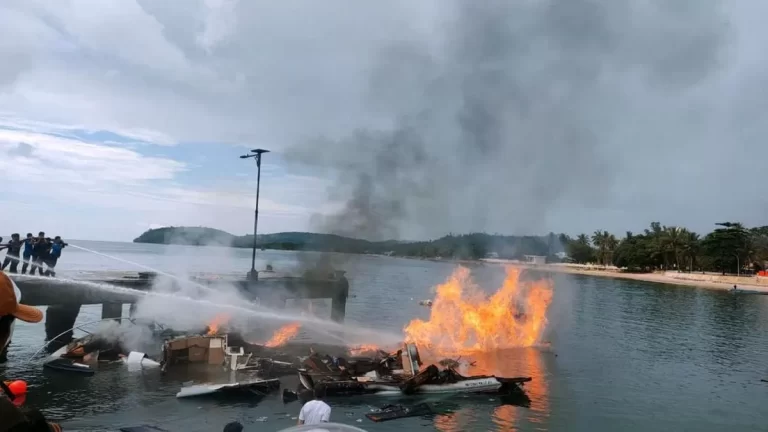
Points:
(514, 109)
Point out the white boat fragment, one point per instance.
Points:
(259, 386)
(138, 360)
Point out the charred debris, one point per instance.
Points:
(257, 369)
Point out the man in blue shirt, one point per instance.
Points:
(27, 254)
(54, 253)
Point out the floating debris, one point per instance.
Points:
(398, 373)
(393, 412)
(254, 386)
(69, 365)
(194, 349)
(143, 428)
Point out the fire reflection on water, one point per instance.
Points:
(498, 334)
(506, 415)
(449, 422)
(519, 362)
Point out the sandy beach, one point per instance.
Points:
(706, 280)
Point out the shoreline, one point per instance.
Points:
(699, 280)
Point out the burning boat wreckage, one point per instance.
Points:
(515, 316)
(258, 368)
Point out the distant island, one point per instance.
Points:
(467, 246)
(730, 247)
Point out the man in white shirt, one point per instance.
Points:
(315, 411)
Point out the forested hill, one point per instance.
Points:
(197, 236)
(468, 246)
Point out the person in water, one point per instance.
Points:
(27, 254)
(54, 253)
(39, 253)
(315, 411)
(12, 256)
(10, 310)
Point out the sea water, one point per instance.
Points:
(625, 355)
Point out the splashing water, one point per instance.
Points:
(325, 327)
(145, 267)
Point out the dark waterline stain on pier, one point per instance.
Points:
(624, 355)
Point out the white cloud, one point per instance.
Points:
(141, 136)
(88, 190)
(579, 104)
(216, 70)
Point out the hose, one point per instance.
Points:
(77, 327)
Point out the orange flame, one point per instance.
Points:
(362, 349)
(463, 320)
(215, 325)
(283, 335)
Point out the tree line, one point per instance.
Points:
(452, 246)
(730, 248)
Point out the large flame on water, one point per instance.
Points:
(283, 335)
(464, 320)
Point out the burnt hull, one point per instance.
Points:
(489, 384)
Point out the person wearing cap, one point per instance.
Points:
(10, 310)
(14, 419)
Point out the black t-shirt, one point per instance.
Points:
(14, 247)
(40, 248)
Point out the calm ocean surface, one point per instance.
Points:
(624, 356)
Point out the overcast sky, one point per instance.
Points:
(387, 119)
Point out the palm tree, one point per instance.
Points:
(673, 239)
(606, 244)
(690, 247)
(599, 242)
(656, 234)
(611, 243)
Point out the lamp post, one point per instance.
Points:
(256, 154)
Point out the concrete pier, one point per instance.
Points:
(59, 320)
(111, 310)
(65, 296)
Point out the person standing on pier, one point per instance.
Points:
(13, 255)
(27, 254)
(53, 255)
(39, 252)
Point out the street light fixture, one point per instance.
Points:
(256, 154)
